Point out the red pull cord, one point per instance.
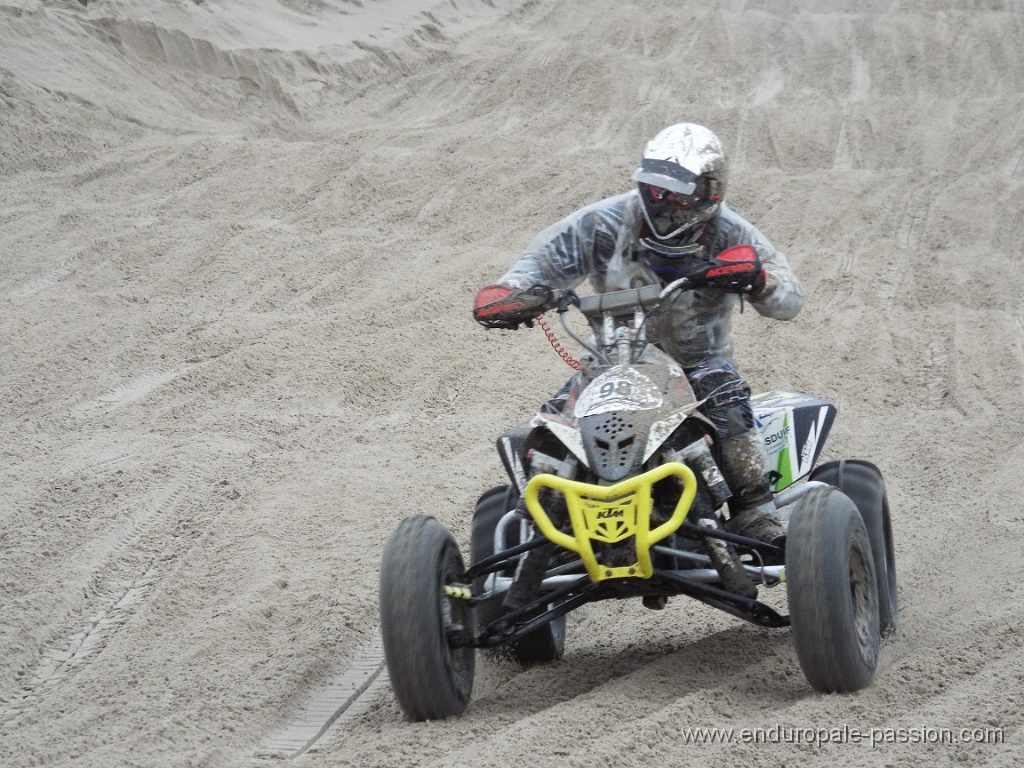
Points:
(557, 345)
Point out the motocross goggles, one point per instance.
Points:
(675, 200)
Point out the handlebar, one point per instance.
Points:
(648, 298)
(620, 304)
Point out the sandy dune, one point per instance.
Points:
(238, 245)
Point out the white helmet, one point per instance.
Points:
(681, 179)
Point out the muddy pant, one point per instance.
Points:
(744, 461)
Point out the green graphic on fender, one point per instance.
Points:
(794, 427)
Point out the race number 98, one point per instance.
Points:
(620, 388)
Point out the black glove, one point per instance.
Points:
(738, 270)
(499, 307)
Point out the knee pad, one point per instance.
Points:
(726, 396)
(737, 419)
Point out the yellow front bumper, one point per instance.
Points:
(611, 515)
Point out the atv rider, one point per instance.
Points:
(674, 224)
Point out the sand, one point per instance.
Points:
(238, 247)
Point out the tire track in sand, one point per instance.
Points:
(130, 392)
(326, 709)
(908, 235)
(1018, 322)
(934, 375)
(46, 281)
(124, 568)
(1017, 164)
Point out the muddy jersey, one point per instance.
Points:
(604, 242)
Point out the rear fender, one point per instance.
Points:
(794, 427)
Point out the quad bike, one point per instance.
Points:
(618, 496)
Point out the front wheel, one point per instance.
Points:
(833, 592)
(431, 679)
(863, 483)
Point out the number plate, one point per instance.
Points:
(619, 389)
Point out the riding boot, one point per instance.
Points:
(759, 522)
(726, 562)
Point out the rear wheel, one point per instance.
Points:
(863, 483)
(431, 679)
(833, 592)
(544, 644)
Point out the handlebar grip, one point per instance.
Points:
(621, 302)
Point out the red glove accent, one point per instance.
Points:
(490, 301)
(500, 307)
(739, 253)
(736, 269)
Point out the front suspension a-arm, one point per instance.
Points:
(506, 628)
